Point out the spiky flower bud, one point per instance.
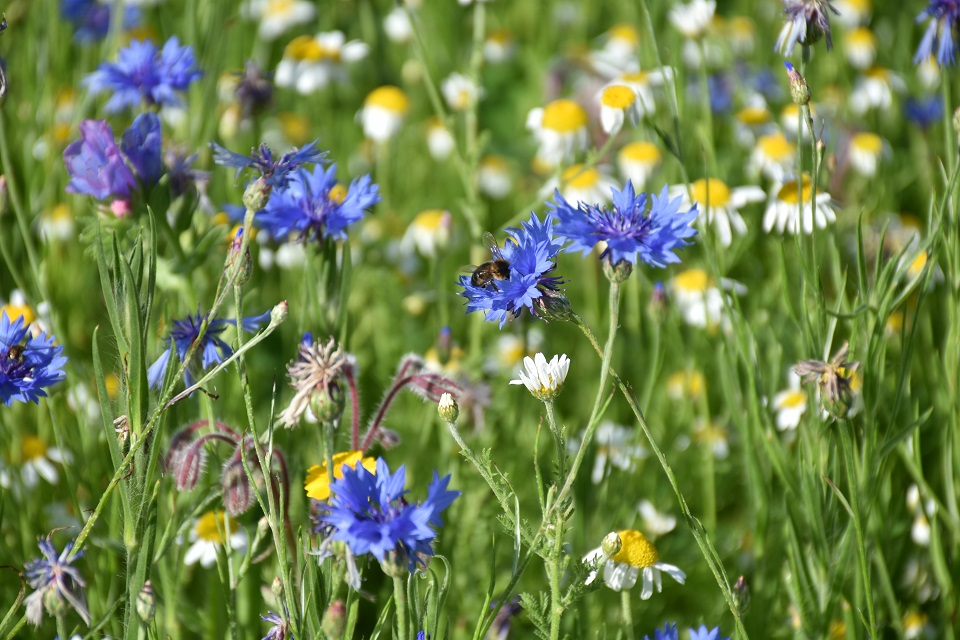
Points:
(448, 409)
(146, 603)
(741, 595)
(279, 313)
(799, 90)
(256, 194)
(334, 619)
(239, 267)
(235, 485)
(553, 305)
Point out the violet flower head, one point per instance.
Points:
(315, 206)
(368, 512)
(807, 22)
(706, 634)
(212, 349)
(54, 580)
(28, 362)
(944, 19)
(91, 19)
(99, 168)
(631, 233)
(279, 630)
(145, 75)
(669, 632)
(276, 172)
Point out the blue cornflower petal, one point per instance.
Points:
(276, 173)
(91, 19)
(141, 144)
(54, 577)
(944, 19)
(704, 634)
(28, 363)
(95, 165)
(669, 632)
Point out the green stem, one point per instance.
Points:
(558, 438)
(853, 480)
(555, 571)
(627, 609)
(400, 602)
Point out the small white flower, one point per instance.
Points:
(209, 533)
(616, 447)
(440, 141)
(494, 178)
(429, 232)
(656, 523)
(714, 436)
(621, 569)
(783, 210)
(561, 129)
(383, 112)
(693, 18)
(928, 72)
(773, 156)
(851, 13)
(721, 204)
(753, 120)
(874, 90)
(699, 299)
(499, 47)
(577, 184)
(790, 404)
(310, 63)
(543, 379)
(637, 161)
(277, 16)
(57, 224)
(618, 103)
(397, 26)
(460, 92)
(37, 461)
(865, 150)
(860, 47)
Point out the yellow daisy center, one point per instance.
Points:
(32, 448)
(317, 483)
(575, 176)
(918, 264)
(61, 213)
(740, 26)
(914, 620)
(793, 400)
(710, 192)
(212, 525)
(307, 48)
(618, 96)
(276, 8)
(895, 322)
(753, 116)
(512, 353)
(338, 193)
(565, 116)
(858, 5)
(645, 152)
(296, 128)
(692, 280)
(837, 630)
(867, 142)
(494, 163)
(788, 192)
(636, 77)
(776, 147)
(625, 32)
(878, 73)
(15, 311)
(388, 97)
(636, 550)
(500, 36)
(430, 220)
(861, 37)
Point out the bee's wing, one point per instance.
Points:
(491, 244)
(468, 268)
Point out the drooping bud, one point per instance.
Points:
(256, 194)
(334, 619)
(448, 409)
(146, 603)
(235, 485)
(799, 90)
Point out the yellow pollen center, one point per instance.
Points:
(918, 264)
(388, 97)
(430, 220)
(494, 163)
(15, 311)
(861, 37)
(624, 32)
(878, 73)
(645, 152)
(895, 322)
(692, 280)
(868, 142)
(61, 132)
(753, 115)
(574, 176)
(212, 525)
(711, 192)
(636, 550)
(618, 97)
(317, 483)
(276, 8)
(793, 400)
(859, 5)
(338, 193)
(788, 192)
(307, 48)
(32, 448)
(61, 212)
(512, 353)
(637, 77)
(776, 147)
(565, 116)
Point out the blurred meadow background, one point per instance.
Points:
(707, 410)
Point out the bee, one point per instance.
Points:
(489, 272)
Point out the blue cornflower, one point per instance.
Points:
(212, 348)
(26, 368)
(944, 16)
(182, 176)
(703, 634)
(669, 633)
(531, 253)
(146, 75)
(630, 235)
(96, 165)
(314, 205)
(54, 580)
(368, 512)
(807, 21)
(275, 172)
(279, 630)
(91, 19)
(924, 112)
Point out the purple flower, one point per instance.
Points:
(924, 112)
(54, 580)
(96, 165)
(145, 75)
(275, 172)
(26, 368)
(703, 634)
(944, 16)
(368, 512)
(531, 254)
(182, 176)
(669, 633)
(212, 348)
(91, 19)
(279, 630)
(629, 234)
(315, 206)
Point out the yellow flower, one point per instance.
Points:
(317, 483)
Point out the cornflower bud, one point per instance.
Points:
(256, 194)
(618, 272)
(334, 619)
(799, 90)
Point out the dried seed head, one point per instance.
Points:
(317, 371)
(833, 379)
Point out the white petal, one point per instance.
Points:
(647, 589)
(619, 576)
(196, 551)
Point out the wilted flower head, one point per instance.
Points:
(833, 379)
(276, 172)
(56, 583)
(544, 379)
(807, 21)
(944, 19)
(145, 75)
(254, 89)
(316, 376)
(27, 364)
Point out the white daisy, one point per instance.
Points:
(752, 121)
(429, 232)
(783, 209)
(397, 26)
(577, 184)
(773, 156)
(494, 178)
(790, 404)
(654, 522)
(860, 47)
(699, 300)
(643, 82)
(499, 47)
(634, 554)
(274, 17)
(618, 103)
(865, 150)
(616, 447)
(209, 533)
(874, 90)
(637, 161)
(618, 53)
(37, 461)
(440, 141)
(310, 63)
(851, 13)
(460, 92)
(561, 129)
(721, 204)
(792, 123)
(57, 224)
(928, 72)
(383, 112)
(740, 33)
(713, 435)
(542, 378)
(693, 18)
